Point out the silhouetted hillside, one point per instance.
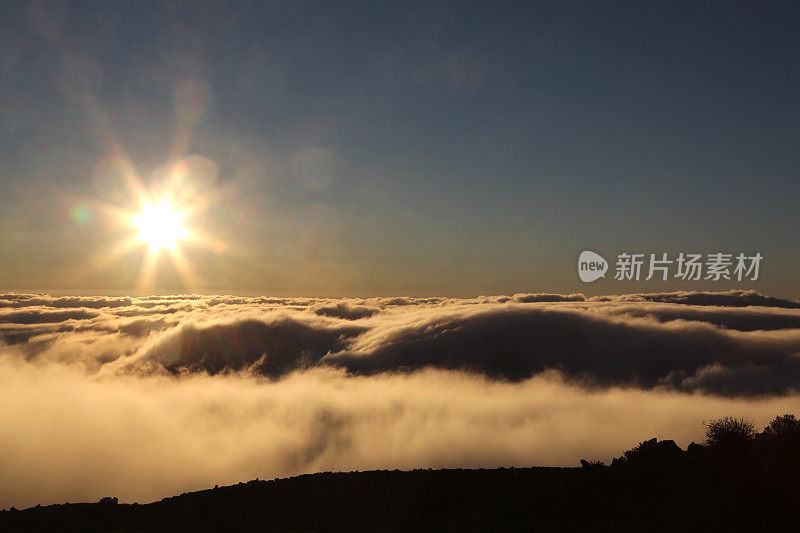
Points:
(547, 499)
(738, 480)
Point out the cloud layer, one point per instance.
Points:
(145, 397)
(718, 343)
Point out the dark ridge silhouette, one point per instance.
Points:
(346, 311)
(733, 298)
(738, 480)
(547, 297)
(45, 317)
(93, 302)
(753, 319)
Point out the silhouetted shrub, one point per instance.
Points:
(651, 452)
(729, 433)
(592, 465)
(785, 427)
(641, 450)
(780, 440)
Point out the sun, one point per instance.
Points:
(160, 225)
(164, 226)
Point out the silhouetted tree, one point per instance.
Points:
(729, 433)
(785, 427)
(780, 441)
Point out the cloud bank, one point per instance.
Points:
(716, 343)
(142, 398)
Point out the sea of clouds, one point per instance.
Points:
(143, 398)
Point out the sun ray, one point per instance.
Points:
(147, 271)
(205, 240)
(183, 266)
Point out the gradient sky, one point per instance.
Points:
(378, 148)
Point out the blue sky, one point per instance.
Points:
(452, 148)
